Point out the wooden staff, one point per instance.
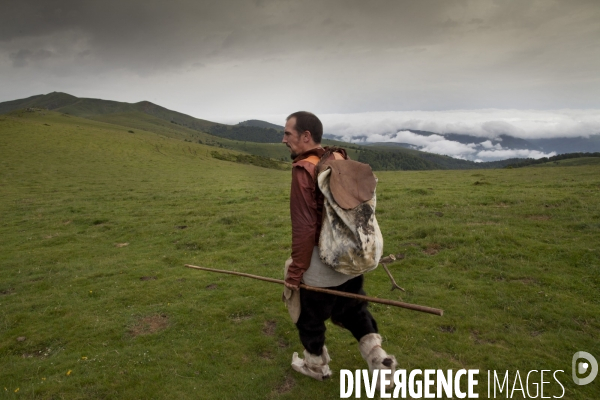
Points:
(409, 306)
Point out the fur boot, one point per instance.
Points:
(376, 357)
(314, 366)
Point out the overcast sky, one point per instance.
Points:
(380, 60)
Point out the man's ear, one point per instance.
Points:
(307, 136)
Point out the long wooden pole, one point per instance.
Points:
(414, 307)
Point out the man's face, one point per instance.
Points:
(293, 139)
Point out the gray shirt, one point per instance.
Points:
(322, 275)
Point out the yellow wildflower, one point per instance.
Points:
(16, 390)
(69, 372)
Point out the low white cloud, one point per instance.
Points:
(431, 144)
(488, 123)
(492, 155)
(489, 145)
(438, 144)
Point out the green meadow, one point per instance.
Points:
(98, 220)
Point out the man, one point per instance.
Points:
(303, 132)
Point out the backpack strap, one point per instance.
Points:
(314, 160)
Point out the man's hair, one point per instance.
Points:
(307, 121)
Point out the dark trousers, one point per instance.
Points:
(351, 314)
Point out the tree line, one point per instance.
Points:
(531, 161)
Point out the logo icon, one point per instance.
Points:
(583, 367)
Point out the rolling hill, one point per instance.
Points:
(254, 137)
(261, 124)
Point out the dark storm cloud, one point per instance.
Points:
(343, 55)
(159, 34)
(23, 57)
(116, 34)
(133, 31)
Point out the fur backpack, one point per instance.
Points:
(350, 241)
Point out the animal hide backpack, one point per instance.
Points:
(350, 241)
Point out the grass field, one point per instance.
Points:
(95, 303)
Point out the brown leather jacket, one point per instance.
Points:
(306, 211)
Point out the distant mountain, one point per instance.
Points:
(262, 124)
(89, 108)
(506, 141)
(247, 133)
(569, 145)
(263, 139)
(558, 145)
(50, 101)
(98, 109)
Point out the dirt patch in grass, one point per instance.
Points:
(240, 316)
(481, 223)
(269, 328)
(267, 355)
(282, 344)
(432, 249)
(148, 278)
(212, 286)
(149, 325)
(502, 205)
(38, 353)
(284, 387)
(448, 328)
(476, 337)
(4, 292)
(121, 244)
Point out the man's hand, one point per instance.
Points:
(290, 286)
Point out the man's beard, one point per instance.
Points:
(293, 156)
